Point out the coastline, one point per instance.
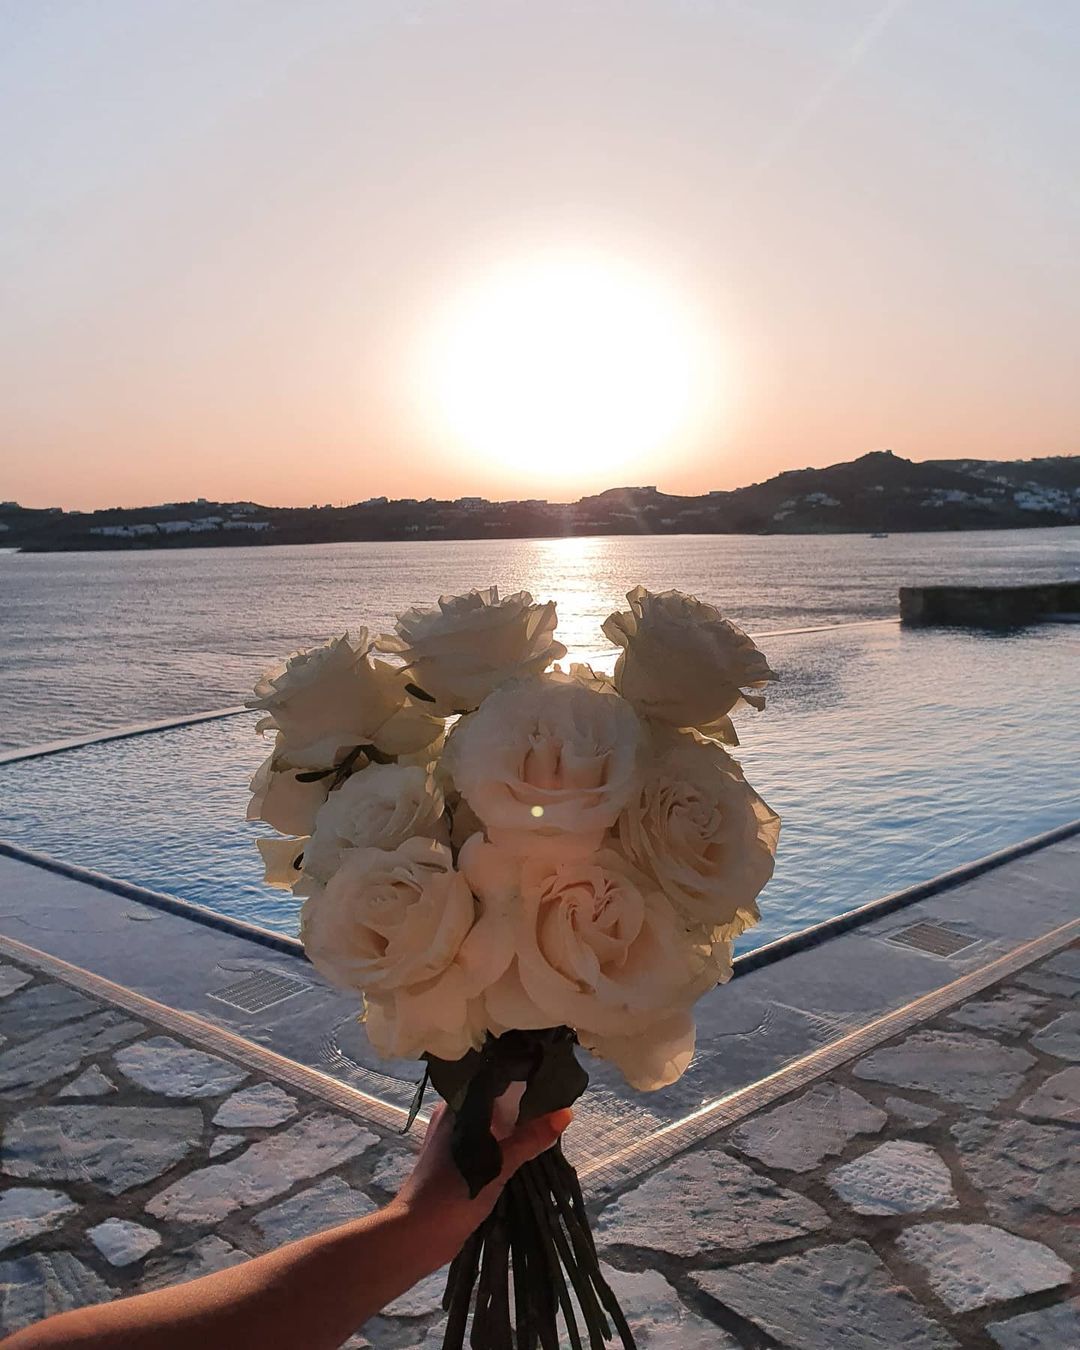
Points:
(169, 543)
(877, 494)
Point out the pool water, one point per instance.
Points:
(891, 754)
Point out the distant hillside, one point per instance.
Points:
(882, 491)
(879, 492)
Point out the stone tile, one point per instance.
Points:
(1023, 1170)
(705, 1200)
(432, 1341)
(969, 1265)
(54, 1054)
(201, 1258)
(898, 1177)
(26, 1211)
(324, 1205)
(1048, 984)
(800, 1134)
(90, 1083)
(1053, 1328)
(422, 1299)
(117, 1147)
(1009, 1010)
(122, 1242)
(1061, 1037)
(42, 1008)
(161, 1064)
(393, 1168)
(274, 1165)
(658, 1319)
(1056, 1099)
(954, 1065)
(829, 1298)
(36, 1286)
(261, 1106)
(911, 1113)
(225, 1143)
(1066, 963)
(12, 978)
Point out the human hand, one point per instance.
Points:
(435, 1193)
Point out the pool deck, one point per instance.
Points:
(889, 1152)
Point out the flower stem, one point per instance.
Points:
(537, 1236)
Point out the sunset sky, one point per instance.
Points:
(318, 250)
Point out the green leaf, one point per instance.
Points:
(451, 1077)
(421, 694)
(418, 1100)
(345, 768)
(556, 1082)
(376, 755)
(474, 1148)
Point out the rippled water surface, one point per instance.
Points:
(95, 640)
(892, 755)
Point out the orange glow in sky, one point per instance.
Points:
(327, 251)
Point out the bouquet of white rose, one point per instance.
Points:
(506, 860)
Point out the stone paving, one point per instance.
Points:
(925, 1195)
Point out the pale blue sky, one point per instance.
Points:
(227, 222)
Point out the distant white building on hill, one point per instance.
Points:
(202, 525)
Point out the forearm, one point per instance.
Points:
(310, 1295)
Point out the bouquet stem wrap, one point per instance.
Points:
(533, 1260)
(537, 1244)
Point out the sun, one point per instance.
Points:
(562, 366)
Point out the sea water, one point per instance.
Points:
(891, 754)
(95, 640)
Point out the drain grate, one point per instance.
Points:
(257, 992)
(932, 938)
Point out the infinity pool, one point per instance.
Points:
(892, 755)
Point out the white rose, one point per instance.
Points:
(282, 861)
(547, 764)
(702, 831)
(683, 663)
(403, 927)
(468, 646)
(428, 756)
(328, 700)
(380, 807)
(597, 946)
(279, 797)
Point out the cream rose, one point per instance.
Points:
(683, 663)
(332, 698)
(404, 928)
(380, 807)
(598, 947)
(283, 860)
(462, 650)
(282, 799)
(702, 831)
(547, 764)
